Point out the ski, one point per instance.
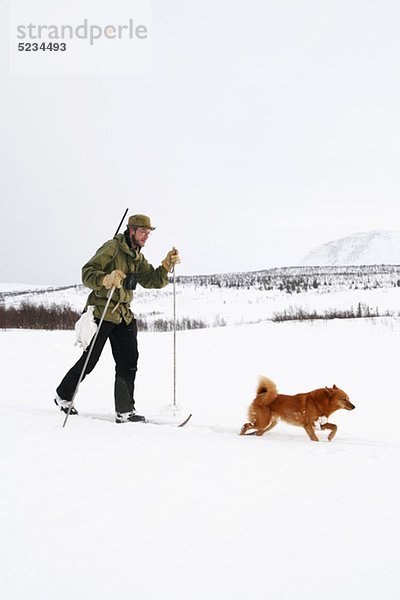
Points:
(185, 421)
(163, 422)
(149, 421)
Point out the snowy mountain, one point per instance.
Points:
(367, 248)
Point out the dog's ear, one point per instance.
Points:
(329, 391)
(335, 387)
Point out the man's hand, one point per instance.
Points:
(113, 279)
(171, 259)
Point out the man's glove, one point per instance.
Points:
(171, 259)
(113, 279)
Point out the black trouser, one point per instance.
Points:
(123, 340)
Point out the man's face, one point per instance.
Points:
(140, 236)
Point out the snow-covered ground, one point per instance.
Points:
(158, 513)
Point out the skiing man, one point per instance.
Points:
(118, 263)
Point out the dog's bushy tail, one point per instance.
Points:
(266, 391)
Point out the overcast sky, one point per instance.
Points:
(263, 129)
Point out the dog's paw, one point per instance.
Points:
(245, 428)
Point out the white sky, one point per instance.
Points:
(264, 129)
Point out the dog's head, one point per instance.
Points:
(338, 398)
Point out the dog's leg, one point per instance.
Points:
(333, 429)
(259, 431)
(268, 428)
(261, 420)
(246, 427)
(311, 433)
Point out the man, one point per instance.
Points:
(118, 263)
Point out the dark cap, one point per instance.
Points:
(140, 221)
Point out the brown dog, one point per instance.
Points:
(305, 410)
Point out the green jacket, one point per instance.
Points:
(116, 254)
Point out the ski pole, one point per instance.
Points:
(174, 329)
(89, 353)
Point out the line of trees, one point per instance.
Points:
(53, 317)
(29, 316)
(302, 279)
(361, 311)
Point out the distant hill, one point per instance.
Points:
(377, 247)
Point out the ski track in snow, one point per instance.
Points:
(155, 512)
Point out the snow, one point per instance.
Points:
(155, 512)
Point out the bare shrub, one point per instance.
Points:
(29, 316)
